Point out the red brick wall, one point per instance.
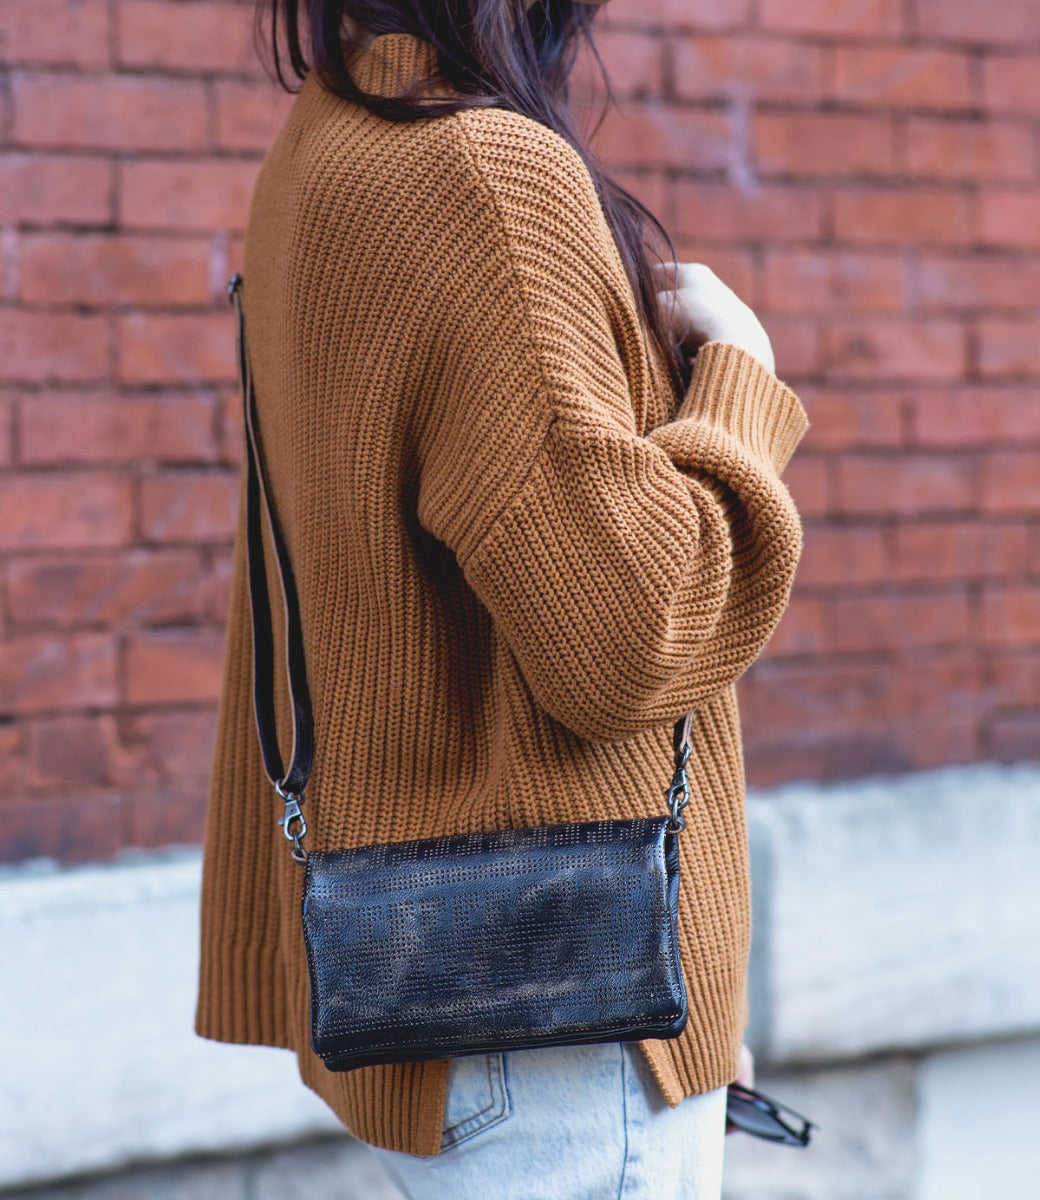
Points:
(864, 174)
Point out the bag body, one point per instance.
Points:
(508, 939)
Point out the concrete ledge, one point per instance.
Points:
(101, 1065)
(887, 914)
(895, 914)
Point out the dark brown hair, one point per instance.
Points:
(494, 53)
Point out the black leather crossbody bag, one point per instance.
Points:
(475, 942)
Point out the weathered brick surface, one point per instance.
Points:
(863, 174)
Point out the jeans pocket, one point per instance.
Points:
(477, 1097)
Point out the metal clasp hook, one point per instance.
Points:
(293, 814)
(680, 786)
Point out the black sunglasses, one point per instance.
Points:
(760, 1115)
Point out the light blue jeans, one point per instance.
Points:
(566, 1123)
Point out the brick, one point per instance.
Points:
(1015, 737)
(1009, 217)
(75, 750)
(940, 741)
(955, 551)
(648, 186)
(899, 76)
(105, 590)
(907, 485)
(728, 212)
(249, 115)
(189, 506)
(14, 749)
(648, 133)
(1010, 83)
(796, 344)
(879, 748)
(42, 190)
(898, 621)
(836, 695)
(115, 112)
(975, 416)
(232, 427)
(802, 629)
(215, 589)
(173, 666)
(1011, 677)
(175, 349)
(40, 511)
(842, 556)
(844, 419)
(940, 148)
(842, 18)
(69, 830)
(634, 63)
(815, 144)
(1010, 482)
(750, 68)
(7, 408)
(1011, 615)
(807, 478)
(199, 37)
(972, 282)
(1008, 347)
(1011, 22)
(168, 817)
(8, 263)
(235, 243)
(919, 216)
(41, 672)
(113, 269)
(77, 33)
(824, 279)
(165, 747)
(46, 347)
(922, 348)
(687, 14)
(186, 196)
(97, 427)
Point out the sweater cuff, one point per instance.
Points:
(732, 389)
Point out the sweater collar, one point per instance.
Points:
(388, 61)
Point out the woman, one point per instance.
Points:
(530, 485)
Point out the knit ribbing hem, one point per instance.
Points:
(731, 388)
(691, 1066)
(241, 995)
(396, 1106)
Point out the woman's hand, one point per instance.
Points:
(701, 308)
(745, 1076)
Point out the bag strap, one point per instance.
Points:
(290, 783)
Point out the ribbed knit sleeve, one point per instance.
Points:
(631, 575)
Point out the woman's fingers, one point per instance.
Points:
(746, 1066)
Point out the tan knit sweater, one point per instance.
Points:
(518, 562)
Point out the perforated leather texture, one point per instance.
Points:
(500, 940)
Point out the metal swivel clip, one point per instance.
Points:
(293, 814)
(679, 787)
